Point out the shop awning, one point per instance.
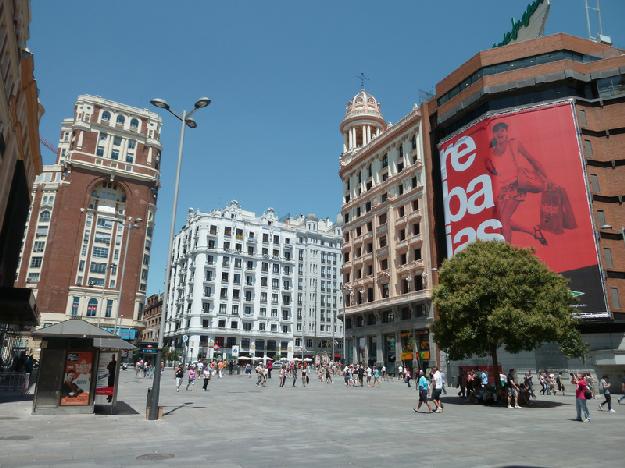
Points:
(73, 328)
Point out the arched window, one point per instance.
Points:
(134, 124)
(44, 216)
(120, 119)
(106, 116)
(92, 307)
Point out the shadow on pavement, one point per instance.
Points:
(11, 397)
(188, 403)
(533, 404)
(121, 408)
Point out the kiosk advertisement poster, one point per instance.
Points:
(518, 177)
(77, 378)
(105, 385)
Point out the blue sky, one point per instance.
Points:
(279, 74)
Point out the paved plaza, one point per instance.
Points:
(237, 424)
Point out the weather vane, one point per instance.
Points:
(362, 77)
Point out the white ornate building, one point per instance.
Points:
(256, 283)
(386, 252)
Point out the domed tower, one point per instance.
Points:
(363, 121)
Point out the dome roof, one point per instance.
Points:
(363, 104)
(339, 220)
(311, 217)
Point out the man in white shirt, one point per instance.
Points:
(437, 380)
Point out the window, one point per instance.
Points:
(92, 307)
(234, 324)
(38, 246)
(221, 324)
(97, 268)
(261, 326)
(106, 116)
(607, 255)
(115, 154)
(120, 120)
(385, 160)
(103, 136)
(130, 158)
(616, 303)
(247, 326)
(44, 216)
(134, 124)
(587, 148)
(594, 183)
(117, 140)
(35, 262)
(100, 151)
(132, 144)
(382, 219)
(75, 304)
(601, 218)
(417, 254)
(109, 308)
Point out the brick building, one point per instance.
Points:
(20, 162)
(93, 206)
(591, 76)
(152, 317)
(386, 259)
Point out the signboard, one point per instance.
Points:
(105, 384)
(530, 26)
(518, 177)
(76, 387)
(235, 351)
(148, 347)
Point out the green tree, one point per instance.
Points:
(493, 294)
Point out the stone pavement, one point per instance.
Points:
(237, 424)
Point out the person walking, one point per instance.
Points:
(220, 368)
(206, 374)
(400, 372)
(376, 376)
(361, 375)
(581, 395)
(230, 367)
(422, 386)
(328, 375)
(437, 380)
(604, 386)
(191, 376)
(407, 376)
(513, 390)
(269, 368)
(369, 375)
(294, 374)
(179, 376)
(282, 375)
(304, 375)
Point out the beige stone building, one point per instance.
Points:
(386, 254)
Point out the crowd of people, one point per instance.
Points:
(474, 385)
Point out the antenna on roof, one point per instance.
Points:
(362, 77)
(600, 37)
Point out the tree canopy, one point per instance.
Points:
(493, 294)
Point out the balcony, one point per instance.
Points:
(401, 221)
(382, 252)
(383, 276)
(381, 229)
(413, 241)
(414, 215)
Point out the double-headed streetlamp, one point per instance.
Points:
(186, 120)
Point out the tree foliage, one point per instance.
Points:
(493, 294)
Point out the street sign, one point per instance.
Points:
(185, 338)
(235, 351)
(149, 350)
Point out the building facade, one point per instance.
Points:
(233, 284)
(386, 254)
(152, 318)
(588, 77)
(20, 162)
(87, 248)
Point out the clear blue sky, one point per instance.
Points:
(279, 74)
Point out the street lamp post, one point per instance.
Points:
(132, 223)
(186, 120)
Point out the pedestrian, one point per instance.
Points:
(422, 386)
(437, 380)
(384, 374)
(376, 376)
(462, 385)
(513, 390)
(259, 373)
(304, 375)
(400, 372)
(248, 370)
(220, 368)
(206, 374)
(346, 376)
(179, 376)
(294, 373)
(269, 368)
(361, 375)
(581, 395)
(369, 375)
(230, 367)
(191, 376)
(282, 376)
(328, 375)
(604, 386)
(407, 376)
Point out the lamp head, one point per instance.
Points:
(191, 123)
(202, 102)
(161, 103)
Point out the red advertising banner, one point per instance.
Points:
(77, 378)
(518, 177)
